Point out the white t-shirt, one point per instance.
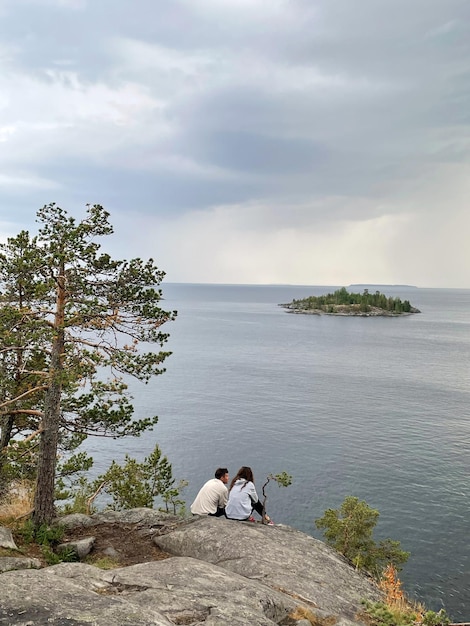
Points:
(240, 500)
(212, 494)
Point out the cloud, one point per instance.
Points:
(229, 130)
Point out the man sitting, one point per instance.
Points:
(212, 496)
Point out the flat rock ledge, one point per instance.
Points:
(221, 573)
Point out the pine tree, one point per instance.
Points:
(74, 313)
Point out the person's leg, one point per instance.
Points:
(258, 507)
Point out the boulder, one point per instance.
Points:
(150, 518)
(8, 563)
(281, 558)
(81, 547)
(6, 539)
(75, 520)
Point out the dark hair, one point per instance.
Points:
(220, 471)
(245, 473)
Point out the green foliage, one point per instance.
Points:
(43, 535)
(282, 479)
(72, 485)
(381, 614)
(73, 324)
(19, 462)
(349, 530)
(48, 535)
(64, 555)
(135, 484)
(173, 503)
(75, 496)
(27, 531)
(436, 619)
(355, 301)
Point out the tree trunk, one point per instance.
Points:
(44, 511)
(6, 426)
(45, 481)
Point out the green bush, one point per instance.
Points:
(43, 535)
(48, 535)
(47, 538)
(436, 619)
(129, 485)
(381, 614)
(349, 530)
(135, 484)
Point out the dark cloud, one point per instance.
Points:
(257, 154)
(286, 114)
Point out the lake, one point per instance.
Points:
(372, 407)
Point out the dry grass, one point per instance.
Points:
(302, 612)
(17, 504)
(104, 562)
(395, 597)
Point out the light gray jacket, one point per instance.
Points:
(240, 500)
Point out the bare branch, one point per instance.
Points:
(89, 502)
(23, 395)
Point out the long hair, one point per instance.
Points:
(245, 473)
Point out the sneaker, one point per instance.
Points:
(251, 519)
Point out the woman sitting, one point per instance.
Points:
(242, 498)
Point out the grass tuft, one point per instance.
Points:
(301, 612)
(104, 562)
(18, 503)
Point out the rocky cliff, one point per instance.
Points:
(217, 572)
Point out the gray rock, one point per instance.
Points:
(223, 573)
(6, 539)
(148, 518)
(9, 563)
(177, 590)
(112, 553)
(56, 596)
(141, 516)
(281, 558)
(75, 520)
(81, 547)
(183, 586)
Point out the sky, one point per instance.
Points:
(310, 142)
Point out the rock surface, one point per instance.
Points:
(221, 573)
(278, 556)
(6, 539)
(9, 563)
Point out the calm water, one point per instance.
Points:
(372, 407)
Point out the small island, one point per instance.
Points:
(342, 302)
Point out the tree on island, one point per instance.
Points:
(342, 299)
(69, 314)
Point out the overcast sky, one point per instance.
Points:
(320, 142)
